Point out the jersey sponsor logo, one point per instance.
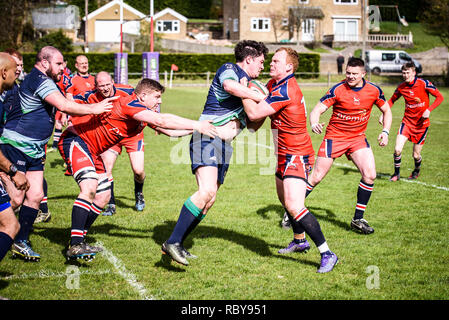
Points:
(352, 118)
(416, 105)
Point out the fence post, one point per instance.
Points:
(207, 78)
(165, 78)
(328, 79)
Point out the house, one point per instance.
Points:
(104, 23)
(293, 20)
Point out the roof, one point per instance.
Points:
(170, 11)
(307, 12)
(111, 4)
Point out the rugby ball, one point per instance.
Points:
(256, 85)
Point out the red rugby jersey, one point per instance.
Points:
(351, 109)
(416, 96)
(103, 131)
(79, 84)
(289, 123)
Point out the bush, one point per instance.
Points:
(56, 39)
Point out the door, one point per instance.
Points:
(107, 31)
(345, 30)
(388, 61)
(308, 30)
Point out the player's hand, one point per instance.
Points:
(20, 181)
(104, 106)
(317, 128)
(426, 114)
(381, 119)
(206, 127)
(383, 139)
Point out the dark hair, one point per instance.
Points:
(249, 48)
(14, 52)
(408, 65)
(149, 85)
(355, 62)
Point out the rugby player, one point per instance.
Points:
(285, 105)
(9, 226)
(352, 100)
(23, 141)
(415, 123)
(210, 158)
(82, 144)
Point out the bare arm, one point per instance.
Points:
(241, 91)
(314, 118)
(171, 121)
(387, 119)
(257, 111)
(173, 133)
(70, 107)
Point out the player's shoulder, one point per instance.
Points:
(426, 83)
(373, 86)
(124, 88)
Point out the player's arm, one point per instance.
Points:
(396, 95)
(254, 125)
(438, 99)
(57, 100)
(172, 132)
(314, 117)
(17, 177)
(171, 121)
(387, 119)
(241, 90)
(257, 111)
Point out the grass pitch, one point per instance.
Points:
(237, 243)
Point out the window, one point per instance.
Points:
(388, 56)
(345, 30)
(260, 1)
(345, 1)
(284, 22)
(260, 24)
(235, 25)
(167, 26)
(303, 1)
(404, 56)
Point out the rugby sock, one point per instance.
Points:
(80, 213)
(189, 217)
(112, 200)
(296, 227)
(5, 244)
(397, 163)
(309, 188)
(138, 186)
(311, 226)
(94, 212)
(363, 195)
(27, 215)
(56, 137)
(43, 206)
(418, 164)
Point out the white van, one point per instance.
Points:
(388, 61)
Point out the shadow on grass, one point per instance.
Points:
(258, 246)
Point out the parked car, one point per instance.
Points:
(388, 61)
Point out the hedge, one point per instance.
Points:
(187, 63)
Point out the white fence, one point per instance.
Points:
(391, 38)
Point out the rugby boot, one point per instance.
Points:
(362, 226)
(328, 262)
(92, 248)
(43, 217)
(175, 251)
(414, 175)
(285, 223)
(296, 247)
(23, 250)
(395, 177)
(187, 254)
(140, 201)
(109, 210)
(81, 251)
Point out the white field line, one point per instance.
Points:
(125, 274)
(353, 167)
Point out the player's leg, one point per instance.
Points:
(137, 160)
(27, 215)
(320, 170)
(364, 161)
(294, 195)
(397, 156)
(44, 214)
(9, 226)
(417, 148)
(109, 157)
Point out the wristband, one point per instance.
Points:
(386, 131)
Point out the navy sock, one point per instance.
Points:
(43, 206)
(5, 244)
(311, 225)
(296, 227)
(418, 164)
(112, 200)
(138, 186)
(189, 217)
(397, 163)
(363, 194)
(27, 215)
(94, 212)
(80, 212)
(56, 137)
(309, 188)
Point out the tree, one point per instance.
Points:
(56, 39)
(435, 18)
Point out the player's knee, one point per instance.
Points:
(416, 155)
(369, 177)
(397, 152)
(208, 194)
(139, 175)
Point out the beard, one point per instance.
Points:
(55, 76)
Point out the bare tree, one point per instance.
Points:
(278, 23)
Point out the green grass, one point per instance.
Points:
(238, 241)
